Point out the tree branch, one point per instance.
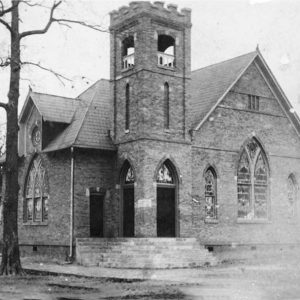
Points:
(5, 11)
(59, 76)
(6, 25)
(4, 105)
(4, 62)
(46, 28)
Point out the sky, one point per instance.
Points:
(222, 29)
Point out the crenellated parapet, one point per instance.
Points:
(155, 9)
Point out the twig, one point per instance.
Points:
(82, 23)
(56, 74)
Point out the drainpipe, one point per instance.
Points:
(71, 204)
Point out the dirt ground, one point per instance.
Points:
(240, 281)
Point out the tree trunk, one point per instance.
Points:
(11, 263)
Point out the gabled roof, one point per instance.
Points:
(91, 123)
(52, 108)
(211, 84)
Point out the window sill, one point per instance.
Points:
(211, 221)
(254, 221)
(128, 69)
(35, 223)
(167, 68)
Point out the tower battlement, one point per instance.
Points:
(157, 8)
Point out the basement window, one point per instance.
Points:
(128, 53)
(166, 51)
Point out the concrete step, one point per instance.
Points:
(142, 253)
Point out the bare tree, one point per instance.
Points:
(10, 263)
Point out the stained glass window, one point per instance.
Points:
(129, 178)
(36, 193)
(210, 194)
(252, 183)
(164, 175)
(292, 196)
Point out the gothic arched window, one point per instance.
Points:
(164, 175)
(210, 194)
(127, 107)
(166, 106)
(292, 196)
(127, 203)
(252, 183)
(36, 193)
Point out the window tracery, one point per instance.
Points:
(36, 193)
(252, 183)
(164, 175)
(129, 178)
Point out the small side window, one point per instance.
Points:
(253, 102)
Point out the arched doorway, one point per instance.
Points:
(127, 218)
(166, 180)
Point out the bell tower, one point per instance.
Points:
(150, 71)
(150, 75)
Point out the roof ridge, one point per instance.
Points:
(76, 98)
(227, 60)
(101, 79)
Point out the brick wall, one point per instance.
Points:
(147, 78)
(56, 230)
(146, 157)
(94, 169)
(219, 143)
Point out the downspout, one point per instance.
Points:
(71, 205)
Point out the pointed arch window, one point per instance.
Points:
(292, 196)
(127, 107)
(129, 177)
(127, 202)
(252, 183)
(164, 175)
(36, 193)
(210, 194)
(166, 106)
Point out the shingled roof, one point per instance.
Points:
(209, 84)
(91, 122)
(51, 107)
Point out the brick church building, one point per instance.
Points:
(160, 150)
